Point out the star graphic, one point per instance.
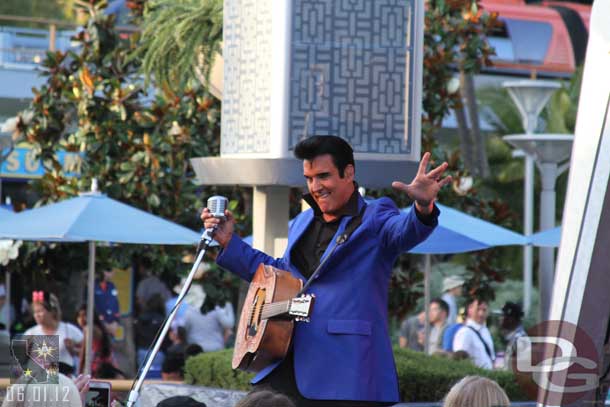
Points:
(43, 351)
(27, 373)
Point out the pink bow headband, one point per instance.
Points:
(38, 296)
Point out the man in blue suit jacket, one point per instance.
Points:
(343, 357)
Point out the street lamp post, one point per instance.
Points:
(552, 154)
(530, 97)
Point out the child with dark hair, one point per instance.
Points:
(173, 367)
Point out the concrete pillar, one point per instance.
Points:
(270, 219)
(528, 229)
(547, 221)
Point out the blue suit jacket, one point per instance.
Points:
(344, 353)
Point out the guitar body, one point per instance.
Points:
(260, 341)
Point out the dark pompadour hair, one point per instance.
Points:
(314, 146)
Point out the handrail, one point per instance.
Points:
(37, 20)
(57, 23)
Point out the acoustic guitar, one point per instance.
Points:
(267, 318)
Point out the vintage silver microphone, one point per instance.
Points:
(216, 205)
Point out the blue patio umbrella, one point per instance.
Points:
(93, 217)
(458, 232)
(547, 238)
(5, 214)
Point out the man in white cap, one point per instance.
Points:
(452, 288)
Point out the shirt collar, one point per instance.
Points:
(349, 209)
(474, 324)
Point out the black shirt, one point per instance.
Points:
(307, 252)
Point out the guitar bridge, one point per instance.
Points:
(300, 307)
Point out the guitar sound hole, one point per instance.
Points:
(257, 312)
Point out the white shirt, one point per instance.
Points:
(469, 342)
(207, 330)
(64, 331)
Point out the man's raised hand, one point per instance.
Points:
(425, 186)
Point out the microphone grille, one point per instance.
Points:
(217, 206)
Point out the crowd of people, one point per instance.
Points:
(466, 336)
(202, 325)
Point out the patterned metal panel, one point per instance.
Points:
(350, 72)
(246, 104)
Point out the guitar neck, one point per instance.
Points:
(275, 309)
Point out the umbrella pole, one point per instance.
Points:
(90, 306)
(427, 272)
(8, 306)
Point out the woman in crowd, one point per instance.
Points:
(47, 314)
(207, 325)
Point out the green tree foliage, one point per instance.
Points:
(455, 40)
(135, 141)
(179, 40)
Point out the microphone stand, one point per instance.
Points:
(203, 246)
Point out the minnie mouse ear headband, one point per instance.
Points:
(48, 300)
(39, 297)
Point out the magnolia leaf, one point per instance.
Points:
(86, 79)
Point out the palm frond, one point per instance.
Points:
(179, 40)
